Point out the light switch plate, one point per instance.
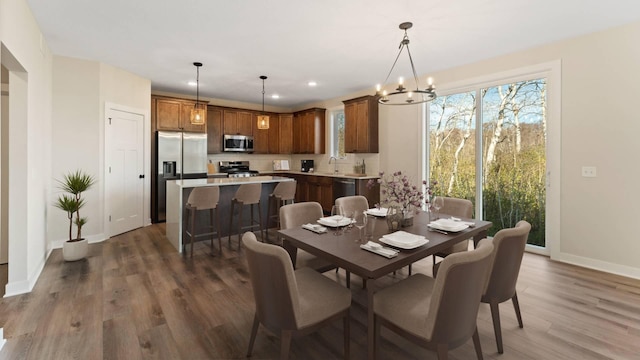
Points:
(588, 171)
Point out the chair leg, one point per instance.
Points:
(193, 228)
(443, 351)
(346, 328)
(285, 344)
(376, 336)
(211, 222)
(348, 279)
(260, 224)
(476, 344)
(231, 223)
(254, 331)
(218, 231)
(495, 314)
(240, 208)
(410, 269)
(516, 307)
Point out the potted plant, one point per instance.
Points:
(74, 183)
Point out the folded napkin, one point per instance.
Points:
(377, 211)
(379, 249)
(315, 228)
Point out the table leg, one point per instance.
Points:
(371, 285)
(479, 236)
(292, 250)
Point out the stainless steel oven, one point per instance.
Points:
(238, 143)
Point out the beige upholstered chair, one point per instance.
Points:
(284, 193)
(438, 314)
(508, 250)
(459, 208)
(203, 198)
(291, 302)
(247, 194)
(298, 214)
(353, 203)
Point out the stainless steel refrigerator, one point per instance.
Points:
(179, 155)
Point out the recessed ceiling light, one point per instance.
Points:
(275, 96)
(312, 83)
(192, 83)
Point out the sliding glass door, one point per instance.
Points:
(488, 145)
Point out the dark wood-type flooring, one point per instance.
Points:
(135, 297)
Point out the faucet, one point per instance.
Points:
(335, 164)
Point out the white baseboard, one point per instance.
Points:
(25, 286)
(622, 270)
(2, 340)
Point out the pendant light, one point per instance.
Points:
(402, 95)
(263, 119)
(198, 111)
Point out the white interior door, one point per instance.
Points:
(124, 188)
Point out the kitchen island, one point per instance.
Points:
(178, 192)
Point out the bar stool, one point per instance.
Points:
(247, 194)
(284, 193)
(202, 198)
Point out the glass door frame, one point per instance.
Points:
(551, 71)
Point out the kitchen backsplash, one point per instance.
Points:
(264, 162)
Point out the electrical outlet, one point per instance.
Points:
(588, 171)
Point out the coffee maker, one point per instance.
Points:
(306, 165)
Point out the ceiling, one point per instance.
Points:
(344, 46)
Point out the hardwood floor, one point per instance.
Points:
(135, 297)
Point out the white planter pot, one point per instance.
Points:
(77, 250)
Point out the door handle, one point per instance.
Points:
(141, 176)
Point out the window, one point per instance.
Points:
(488, 145)
(337, 134)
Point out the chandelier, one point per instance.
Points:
(197, 113)
(263, 119)
(402, 95)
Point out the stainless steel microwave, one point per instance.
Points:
(238, 143)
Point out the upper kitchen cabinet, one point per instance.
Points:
(361, 125)
(308, 131)
(214, 129)
(262, 137)
(285, 135)
(174, 114)
(237, 122)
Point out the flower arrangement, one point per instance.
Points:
(396, 188)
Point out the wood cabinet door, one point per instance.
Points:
(286, 134)
(245, 121)
(326, 193)
(313, 188)
(167, 114)
(297, 134)
(350, 128)
(308, 144)
(362, 125)
(214, 130)
(260, 136)
(274, 134)
(230, 122)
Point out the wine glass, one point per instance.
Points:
(360, 221)
(337, 213)
(437, 204)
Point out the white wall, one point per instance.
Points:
(29, 144)
(80, 90)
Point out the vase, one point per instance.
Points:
(75, 250)
(407, 217)
(394, 217)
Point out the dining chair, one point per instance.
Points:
(438, 314)
(508, 251)
(202, 198)
(284, 193)
(296, 215)
(291, 302)
(462, 208)
(351, 204)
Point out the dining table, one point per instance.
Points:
(343, 249)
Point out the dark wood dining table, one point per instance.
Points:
(344, 251)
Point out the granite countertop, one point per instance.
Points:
(329, 174)
(191, 183)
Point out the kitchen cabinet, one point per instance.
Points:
(361, 125)
(214, 130)
(308, 131)
(285, 141)
(174, 114)
(273, 137)
(237, 122)
(261, 136)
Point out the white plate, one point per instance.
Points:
(335, 221)
(448, 225)
(404, 246)
(382, 212)
(404, 238)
